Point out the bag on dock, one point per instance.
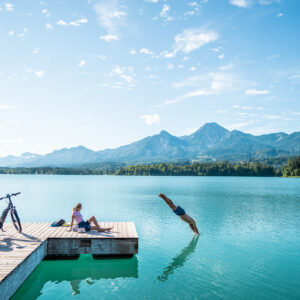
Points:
(61, 222)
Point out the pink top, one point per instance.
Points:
(78, 216)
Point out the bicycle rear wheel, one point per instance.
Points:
(16, 220)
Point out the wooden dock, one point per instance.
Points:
(20, 253)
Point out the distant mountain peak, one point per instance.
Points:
(214, 126)
(164, 132)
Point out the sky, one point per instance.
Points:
(107, 73)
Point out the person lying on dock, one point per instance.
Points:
(181, 213)
(85, 224)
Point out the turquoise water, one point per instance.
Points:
(249, 247)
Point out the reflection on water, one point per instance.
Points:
(180, 259)
(85, 269)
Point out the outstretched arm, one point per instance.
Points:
(71, 223)
(168, 201)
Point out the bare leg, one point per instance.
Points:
(100, 229)
(196, 229)
(97, 227)
(168, 201)
(186, 218)
(94, 220)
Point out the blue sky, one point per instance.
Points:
(106, 73)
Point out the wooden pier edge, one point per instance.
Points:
(20, 253)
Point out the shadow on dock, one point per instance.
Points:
(86, 270)
(10, 243)
(179, 260)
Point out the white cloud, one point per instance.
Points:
(100, 56)
(61, 22)
(9, 7)
(117, 14)
(279, 15)
(44, 11)
(240, 125)
(11, 141)
(248, 3)
(15, 122)
(111, 16)
(73, 23)
(275, 117)
(222, 111)
(192, 69)
(152, 1)
(11, 33)
(127, 78)
(164, 12)
(39, 73)
(81, 63)
(221, 56)
(132, 52)
(78, 22)
(256, 92)
(151, 119)
(170, 66)
(188, 95)
(35, 51)
(126, 74)
(146, 51)
(195, 9)
(267, 2)
(5, 106)
(295, 113)
(213, 81)
(109, 37)
(49, 26)
(227, 67)
(222, 81)
(190, 40)
(240, 3)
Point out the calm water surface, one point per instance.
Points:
(249, 247)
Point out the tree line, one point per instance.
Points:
(56, 171)
(201, 169)
(173, 169)
(292, 168)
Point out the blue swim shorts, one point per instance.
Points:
(179, 211)
(85, 225)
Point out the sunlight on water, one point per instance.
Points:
(249, 246)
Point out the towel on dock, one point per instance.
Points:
(77, 229)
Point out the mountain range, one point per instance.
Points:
(211, 142)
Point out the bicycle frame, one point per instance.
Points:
(10, 207)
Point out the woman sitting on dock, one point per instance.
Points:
(85, 224)
(181, 213)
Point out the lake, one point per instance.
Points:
(249, 244)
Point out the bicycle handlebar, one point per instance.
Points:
(8, 196)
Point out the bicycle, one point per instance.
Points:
(13, 213)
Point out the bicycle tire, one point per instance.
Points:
(16, 220)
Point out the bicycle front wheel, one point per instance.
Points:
(16, 220)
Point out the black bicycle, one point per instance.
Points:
(13, 213)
